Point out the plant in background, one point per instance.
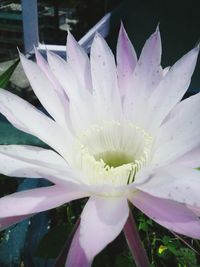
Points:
(5, 76)
(120, 136)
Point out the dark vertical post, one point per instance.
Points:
(30, 24)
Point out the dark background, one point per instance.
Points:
(179, 24)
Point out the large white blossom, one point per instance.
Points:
(118, 132)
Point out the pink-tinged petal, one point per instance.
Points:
(35, 162)
(188, 106)
(79, 61)
(152, 50)
(27, 118)
(190, 159)
(76, 256)
(196, 210)
(81, 109)
(102, 220)
(171, 89)
(180, 133)
(170, 214)
(39, 199)
(104, 77)
(126, 60)
(147, 74)
(175, 182)
(148, 65)
(65, 75)
(42, 63)
(43, 87)
(9, 221)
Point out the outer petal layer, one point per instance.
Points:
(147, 74)
(171, 89)
(81, 104)
(177, 183)
(102, 219)
(42, 63)
(104, 79)
(43, 87)
(170, 214)
(27, 118)
(9, 221)
(37, 200)
(190, 159)
(180, 133)
(76, 256)
(126, 61)
(35, 162)
(79, 61)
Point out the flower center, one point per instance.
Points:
(114, 158)
(111, 153)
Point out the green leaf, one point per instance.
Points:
(5, 77)
(10, 135)
(166, 240)
(52, 243)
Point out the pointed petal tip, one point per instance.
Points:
(40, 59)
(156, 34)
(49, 53)
(20, 53)
(158, 27)
(122, 31)
(22, 57)
(97, 35)
(37, 53)
(121, 26)
(194, 52)
(197, 46)
(97, 38)
(36, 49)
(18, 50)
(70, 37)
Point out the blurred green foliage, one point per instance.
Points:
(5, 76)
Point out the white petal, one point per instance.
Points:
(171, 89)
(170, 214)
(104, 78)
(175, 182)
(126, 61)
(81, 105)
(27, 118)
(65, 75)
(79, 61)
(147, 74)
(190, 159)
(42, 63)
(37, 200)
(43, 87)
(180, 134)
(76, 256)
(165, 71)
(35, 162)
(102, 220)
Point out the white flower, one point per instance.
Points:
(118, 133)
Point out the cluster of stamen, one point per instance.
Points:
(112, 153)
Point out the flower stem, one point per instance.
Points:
(135, 243)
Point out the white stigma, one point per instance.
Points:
(111, 153)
